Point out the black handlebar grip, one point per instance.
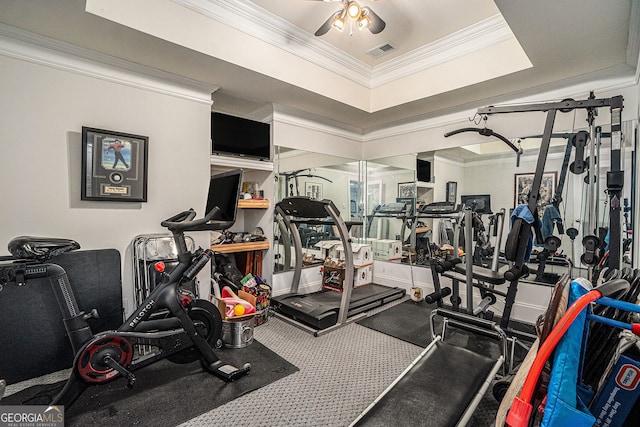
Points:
(181, 217)
(184, 221)
(515, 273)
(437, 296)
(198, 264)
(443, 266)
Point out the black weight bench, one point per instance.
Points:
(481, 274)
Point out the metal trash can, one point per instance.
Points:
(237, 333)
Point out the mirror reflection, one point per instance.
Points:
(318, 176)
(411, 205)
(490, 180)
(391, 195)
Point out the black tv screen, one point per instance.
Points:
(236, 136)
(224, 190)
(423, 170)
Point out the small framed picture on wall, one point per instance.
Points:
(407, 189)
(452, 191)
(523, 184)
(114, 166)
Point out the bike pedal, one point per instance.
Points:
(131, 379)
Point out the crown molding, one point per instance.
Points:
(263, 25)
(478, 36)
(309, 121)
(31, 47)
(24, 45)
(609, 80)
(251, 19)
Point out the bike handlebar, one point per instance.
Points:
(184, 220)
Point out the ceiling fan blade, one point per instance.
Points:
(377, 24)
(324, 29)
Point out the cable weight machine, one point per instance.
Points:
(521, 231)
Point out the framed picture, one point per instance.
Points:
(114, 166)
(313, 190)
(452, 191)
(407, 190)
(523, 183)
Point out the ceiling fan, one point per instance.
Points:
(352, 12)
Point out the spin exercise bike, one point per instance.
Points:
(171, 320)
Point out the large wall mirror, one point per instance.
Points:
(487, 177)
(319, 176)
(390, 190)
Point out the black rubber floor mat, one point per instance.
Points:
(166, 394)
(409, 321)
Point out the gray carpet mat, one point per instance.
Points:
(165, 393)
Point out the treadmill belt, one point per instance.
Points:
(358, 295)
(435, 392)
(320, 309)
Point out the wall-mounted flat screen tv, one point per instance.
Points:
(423, 170)
(235, 136)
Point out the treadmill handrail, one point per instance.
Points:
(288, 209)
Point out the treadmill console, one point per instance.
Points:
(391, 208)
(439, 208)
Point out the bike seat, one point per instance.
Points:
(40, 248)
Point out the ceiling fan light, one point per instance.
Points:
(364, 22)
(338, 23)
(353, 10)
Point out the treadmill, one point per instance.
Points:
(326, 310)
(399, 210)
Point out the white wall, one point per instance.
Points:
(46, 99)
(48, 96)
(314, 138)
(428, 134)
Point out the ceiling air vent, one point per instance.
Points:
(377, 52)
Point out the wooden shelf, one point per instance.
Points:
(240, 162)
(253, 204)
(241, 247)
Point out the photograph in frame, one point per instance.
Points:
(407, 190)
(451, 191)
(523, 184)
(114, 166)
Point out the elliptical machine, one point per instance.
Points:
(178, 326)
